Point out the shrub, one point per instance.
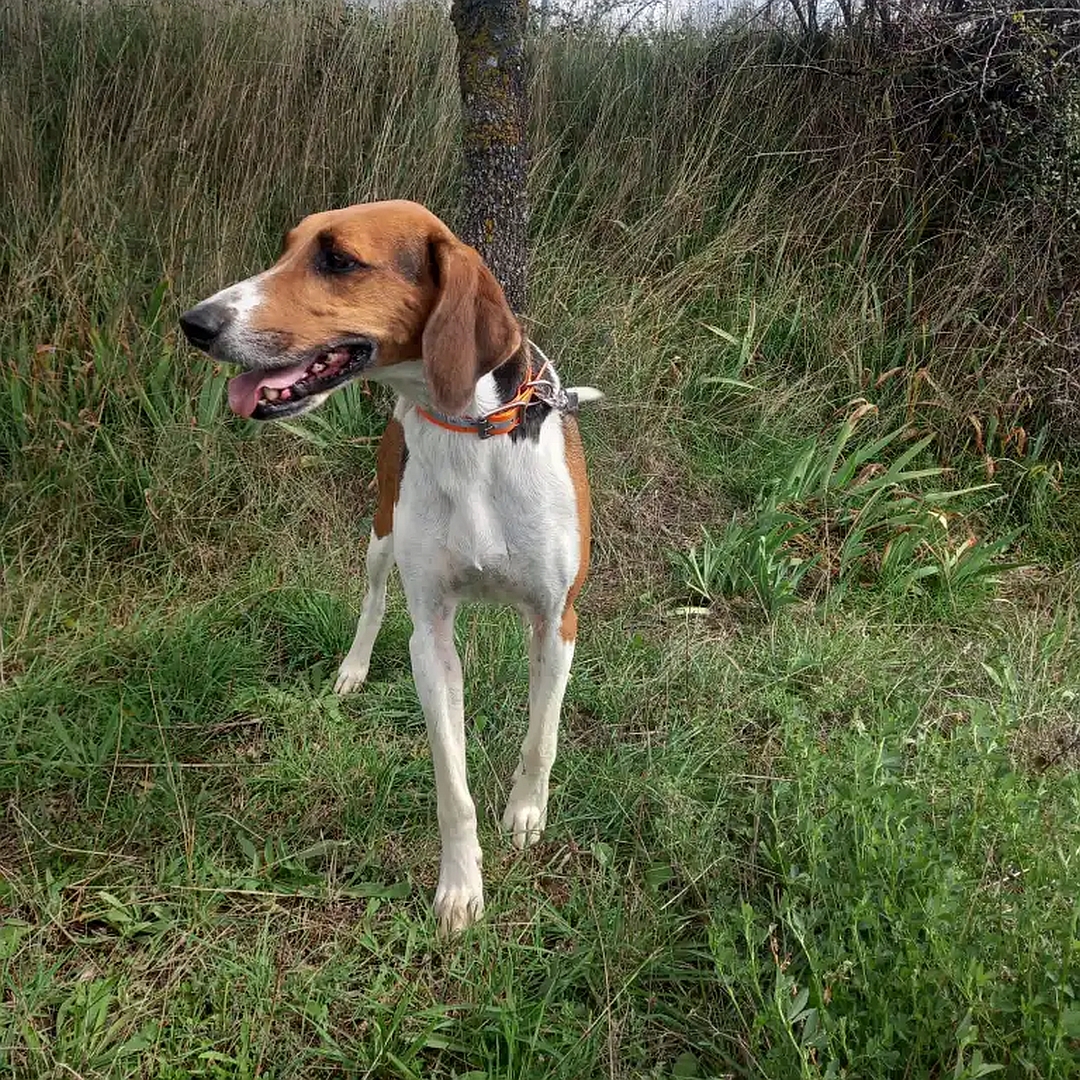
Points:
(859, 520)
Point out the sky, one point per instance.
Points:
(638, 12)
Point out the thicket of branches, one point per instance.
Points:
(985, 106)
(950, 120)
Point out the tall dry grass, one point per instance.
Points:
(178, 140)
(705, 202)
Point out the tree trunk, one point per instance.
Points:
(491, 75)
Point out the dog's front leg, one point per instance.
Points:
(459, 896)
(551, 652)
(380, 561)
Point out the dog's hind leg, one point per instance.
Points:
(380, 560)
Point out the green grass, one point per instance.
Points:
(214, 867)
(813, 822)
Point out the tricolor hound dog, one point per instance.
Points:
(482, 493)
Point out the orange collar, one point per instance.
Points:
(501, 421)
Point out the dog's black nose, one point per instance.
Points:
(204, 322)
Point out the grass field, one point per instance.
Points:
(816, 811)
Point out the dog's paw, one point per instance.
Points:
(459, 896)
(526, 811)
(350, 676)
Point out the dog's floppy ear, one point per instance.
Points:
(470, 331)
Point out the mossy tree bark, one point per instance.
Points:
(491, 75)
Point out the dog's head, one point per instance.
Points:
(354, 293)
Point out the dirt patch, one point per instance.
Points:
(1048, 745)
(645, 505)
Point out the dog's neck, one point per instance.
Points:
(492, 390)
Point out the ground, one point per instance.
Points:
(815, 812)
(835, 839)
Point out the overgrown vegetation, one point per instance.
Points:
(822, 822)
(841, 511)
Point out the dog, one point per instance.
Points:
(482, 488)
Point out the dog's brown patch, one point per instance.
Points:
(575, 463)
(389, 465)
(471, 330)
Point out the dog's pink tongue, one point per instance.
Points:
(244, 389)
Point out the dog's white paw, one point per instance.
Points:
(526, 811)
(350, 676)
(459, 896)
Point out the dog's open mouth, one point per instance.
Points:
(273, 395)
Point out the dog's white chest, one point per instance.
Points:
(476, 539)
(494, 522)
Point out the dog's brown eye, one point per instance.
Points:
(334, 261)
